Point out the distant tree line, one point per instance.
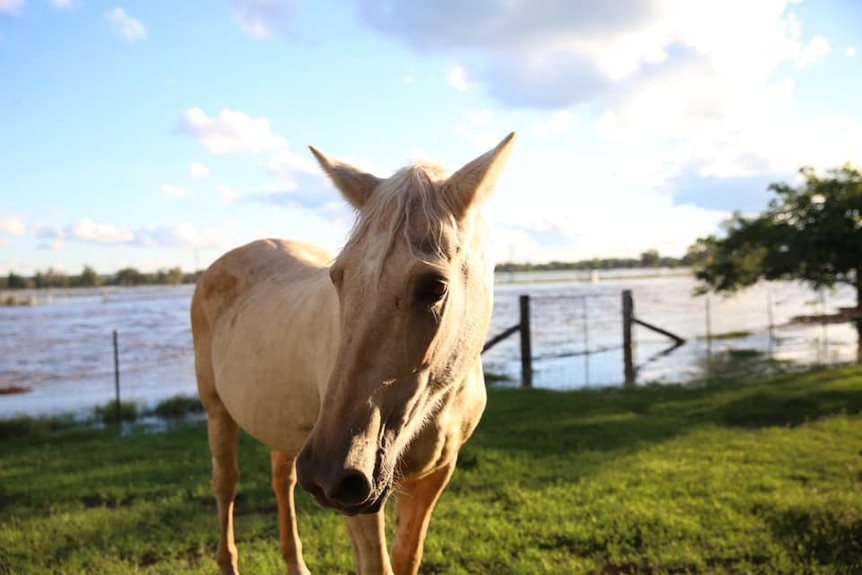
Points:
(88, 277)
(648, 259)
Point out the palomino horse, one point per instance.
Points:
(363, 377)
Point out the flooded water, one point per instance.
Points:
(577, 333)
(61, 348)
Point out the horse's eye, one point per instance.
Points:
(431, 290)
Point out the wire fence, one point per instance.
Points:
(577, 334)
(61, 348)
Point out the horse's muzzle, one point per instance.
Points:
(349, 491)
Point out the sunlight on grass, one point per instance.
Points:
(754, 476)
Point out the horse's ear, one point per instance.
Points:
(355, 185)
(473, 183)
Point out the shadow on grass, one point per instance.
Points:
(821, 537)
(550, 423)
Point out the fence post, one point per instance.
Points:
(771, 324)
(526, 345)
(117, 376)
(628, 320)
(708, 304)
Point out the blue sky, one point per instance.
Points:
(158, 133)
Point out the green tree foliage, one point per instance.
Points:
(88, 278)
(50, 278)
(812, 233)
(650, 259)
(130, 277)
(14, 281)
(173, 276)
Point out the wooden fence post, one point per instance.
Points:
(628, 320)
(708, 324)
(117, 377)
(526, 345)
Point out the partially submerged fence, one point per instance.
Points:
(582, 335)
(577, 325)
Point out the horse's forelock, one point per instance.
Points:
(408, 205)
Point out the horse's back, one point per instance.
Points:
(263, 325)
(240, 270)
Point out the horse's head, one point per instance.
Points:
(415, 290)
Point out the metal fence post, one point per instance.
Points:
(526, 344)
(628, 355)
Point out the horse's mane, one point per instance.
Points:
(411, 206)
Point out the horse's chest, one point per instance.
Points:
(429, 451)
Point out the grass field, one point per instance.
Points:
(756, 477)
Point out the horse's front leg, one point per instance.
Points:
(416, 501)
(368, 539)
(283, 483)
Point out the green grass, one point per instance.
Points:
(727, 335)
(729, 477)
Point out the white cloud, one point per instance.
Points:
(706, 77)
(55, 245)
(477, 126)
(230, 131)
(526, 230)
(811, 52)
(456, 77)
(182, 235)
(179, 235)
(850, 51)
(229, 194)
(11, 6)
(559, 123)
(124, 26)
(48, 232)
(204, 237)
(260, 18)
(12, 224)
(198, 170)
(285, 166)
(300, 183)
(52, 238)
(89, 231)
(170, 191)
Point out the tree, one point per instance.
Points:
(650, 259)
(50, 278)
(173, 276)
(811, 233)
(130, 277)
(88, 278)
(15, 281)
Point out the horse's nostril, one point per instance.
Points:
(353, 489)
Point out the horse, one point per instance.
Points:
(362, 374)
